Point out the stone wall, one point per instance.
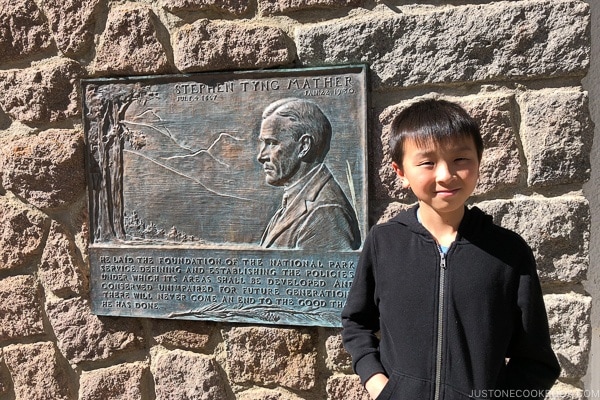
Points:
(517, 66)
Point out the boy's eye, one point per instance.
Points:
(425, 163)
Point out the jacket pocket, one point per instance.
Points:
(404, 387)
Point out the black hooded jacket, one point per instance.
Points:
(468, 324)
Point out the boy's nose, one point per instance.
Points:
(444, 173)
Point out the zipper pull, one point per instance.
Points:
(443, 260)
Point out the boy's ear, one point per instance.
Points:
(400, 173)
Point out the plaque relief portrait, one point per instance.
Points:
(237, 196)
(315, 213)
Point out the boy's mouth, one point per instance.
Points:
(447, 192)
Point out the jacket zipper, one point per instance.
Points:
(440, 326)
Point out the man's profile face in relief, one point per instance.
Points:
(279, 152)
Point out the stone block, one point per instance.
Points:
(72, 23)
(22, 234)
(235, 7)
(266, 394)
(23, 31)
(557, 230)
(20, 308)
(207, 45)
(61, 269)
(119, 382)
(36, 372)
(500, 165)
(82, 336)
(564, 391)
(346, 387)
(47, 170)
(183, 375)
(569, 320)
(81, 223)
(123, 50)
(472, 43)
(269, 356)
(275, 7)
(45, 92)
(338, 359)
(190, 335)
(557, 132)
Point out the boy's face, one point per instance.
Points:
(441, 176)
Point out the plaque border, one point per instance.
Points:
(287, 314)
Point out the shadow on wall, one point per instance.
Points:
(591, 191)
(4, 121)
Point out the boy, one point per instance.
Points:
(456, 299)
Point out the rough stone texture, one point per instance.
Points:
(82, 223)
(182, 375)
(36, 372)
(20, 308)
(564, 391)
(182, 334)
(338, 358)
(46, 170)
(494, 113)
(83, 336)
(72, 23)
(456, 44)
(271, 356)
(266, 394)
(23, 31)
(206, 45)
(124, 50)
(385, 183)
(500, 165)
(235, 7)
(557, 135)
(557, 229)
(391, 210)
(61, 268)
(22, 234)
(569, 320)
(274, 7)
(120, 382)
(346, 387)
(44, 92)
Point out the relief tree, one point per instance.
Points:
(107, 133)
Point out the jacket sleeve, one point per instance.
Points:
(360, 318)
(532, 363)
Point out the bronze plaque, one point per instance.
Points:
(237, 196)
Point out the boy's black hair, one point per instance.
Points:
(432, 120)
